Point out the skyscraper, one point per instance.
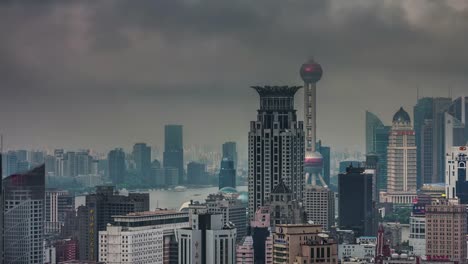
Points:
(284, 208)
(377, 142)
(356, 208)
(401, 156)
(311, 72)
(1, 206)
(11, 163)
(116, 160)
(24, 216)
(142, 157)
(230, 152)
(227, 174)
(276, 146)
(174, 150)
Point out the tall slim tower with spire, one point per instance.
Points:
(311, 72)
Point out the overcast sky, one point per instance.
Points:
(101, 74)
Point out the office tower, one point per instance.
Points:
(446, 221)
(142, 237)
(356, 208)
(24, 216)
(196, 173)
(456, 180)
(245, 251)
(423, 134)
(174, 150)
(319, 205)
(157, 174)
(311, 72)
(276, 146)
(284, 208)
(100, 207)
(401, 158)
(454, 132)
(11, 163)
(230, 152)
(83, 223)
(57, 204)
(232, 210)
(372, 167)
(22, 166)
(227, 174)
(377, 142)
(142, 158)
(429, 131)
(303, 244)
(116, 160)
(207, 241)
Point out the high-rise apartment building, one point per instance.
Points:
(143, 237)
(207, 240)
(417, 236)
(230, 152)
(174, 150)
(456, 181)
(23, 205)
(99, 209)
(142, 158)
(319, 205)
(245, 252)
(401, 160)
(377, 135)
(116, 163)
(446, 229)
(356, 207)
(303, 244)
(276, 146)
(227, 174)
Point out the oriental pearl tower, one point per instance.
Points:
(311, 72)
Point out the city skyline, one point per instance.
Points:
(370, 53)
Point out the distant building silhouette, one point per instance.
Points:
(142, 157)
(117, 171)
(227, 174)
(377, 135)
(230, 152)
(196, 173)
(174, 150)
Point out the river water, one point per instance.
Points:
(172, 199)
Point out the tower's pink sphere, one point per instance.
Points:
(314, 159)
(311, 72)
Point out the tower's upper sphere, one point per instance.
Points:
(311, 72)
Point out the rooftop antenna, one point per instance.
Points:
(417, 94)
(1, 143)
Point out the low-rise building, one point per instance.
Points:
(143, 237)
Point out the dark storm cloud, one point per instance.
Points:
(120, 70)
